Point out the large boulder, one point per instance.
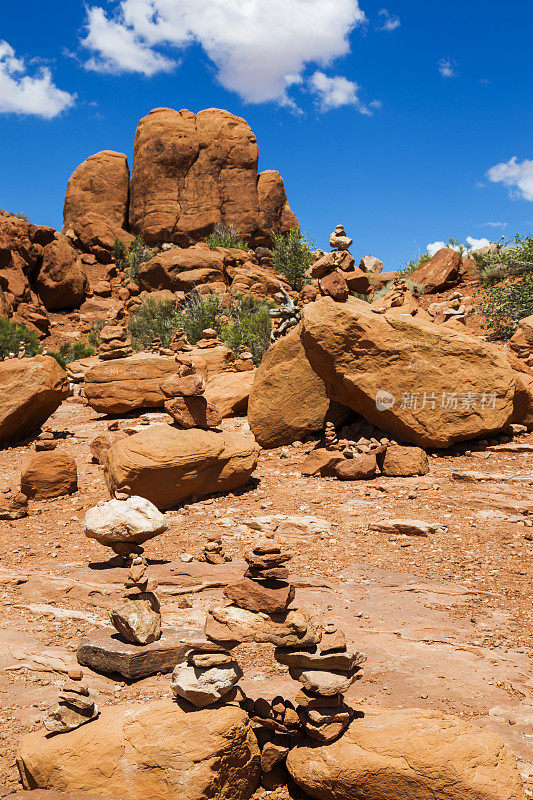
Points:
(288, 400)
(99, 185)
(167, 465)
(62, 280)
(440, 273)
(194, 171)
(421, 382)
(124, 384)
(274, 210)
(522, 339)
(411, 754)
(49, 473)
(31, 389)
(97, 234)
(182, 269)
(21, 254)
(229, 392)
(151, 751)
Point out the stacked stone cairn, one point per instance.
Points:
(209, 339)
(209, 674)
(115, 343)
(76, 706)
(186, 403)
(330, 436)
(244, 361)
(214, 551)
(138, 618)
(180, 343)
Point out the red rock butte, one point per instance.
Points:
(190, 172)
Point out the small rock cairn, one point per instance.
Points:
(138, 618)
(258, 610)
(180, 343)
(209, 339)
(186, 403)
(359, 439)
(76, 706)
(115, 343)
(214, 551)
(339, 240)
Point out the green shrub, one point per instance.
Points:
(250, 324)
(130, 259)
(506, 260)
(153, 319)
(93, 336)
(413, 286)
(71, 351)
(413, 265)
(12, 334)
(22, 216)
(225, 236)
(291, 257)
(199, 312)
(505, 306)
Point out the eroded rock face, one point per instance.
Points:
(31, 389)
(410, 753)
(182, 269)
(288, 399)
(100, 185)
(167, 465)
(193, 171)
(62, 281)
(424, 383)
(145, 752)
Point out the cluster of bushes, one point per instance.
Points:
(71, 351)
(130, 259)
(226, 236)
(12, 334)
(510, 266)
(292, 257)
(246, 322)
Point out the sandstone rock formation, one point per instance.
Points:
(229, 392)
(422, 382)
(154, 750)
(167, 465)
(116, 387)
(30, 391)
(193, 171)
(287, 400)
(442, 272)
(100, 185)
(408, 753)
(62, 281)
(47, 474)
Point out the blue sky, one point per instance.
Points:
(407, 121)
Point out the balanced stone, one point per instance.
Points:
(76, 706)
(138, 619)
(204, 686)
(292, 628)
(323, 682)
(315, 659)
(131, 522)
(271, 597)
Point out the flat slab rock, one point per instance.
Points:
(103, 651)
(408, 527)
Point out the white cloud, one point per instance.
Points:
(258, 47)
(338, 91)
(389, 22)
(448, 68)
(476, 244)
(20, 93)
(470, 246)
(517, 175)
(494, 224)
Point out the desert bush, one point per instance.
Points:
(225, 236)
(199, 312)
(249, 324)
(506, 260)
(71, 351)
(153, 319)
(413, 286)
(413, 265)
(93, 337)
(504, 306)
(22, 216)
(291, 257)
(130, 259)
(12, 334)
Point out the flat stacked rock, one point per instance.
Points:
(138, 618)
(180, 343)
(115, 343)
(330, 436)
(186, 403)
(244, 361)
(326, 672)
(214, 551)
(75, 707)
(209, 674)
(209, 339)
(265, 587)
